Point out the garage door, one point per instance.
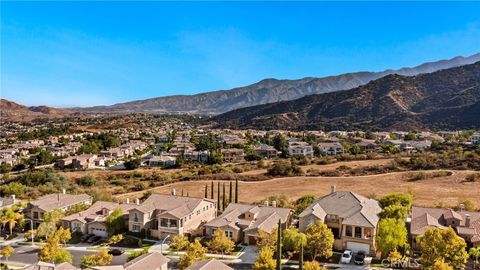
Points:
(99, 232)
(356, 247)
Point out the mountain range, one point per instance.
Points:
(12, 111)
(445, 99)
(267, 91)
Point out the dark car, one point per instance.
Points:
(85, 237)
(115, 252)
(359, 258)
(93, 239)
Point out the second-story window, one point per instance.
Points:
(358, 232)
(348, 231)
(135, 217)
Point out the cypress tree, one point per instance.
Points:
(300, 259)
(182, 192)
(218, 196)
(211, 195)
(206, 191)
(236, 190)
(279, 246)
(230, 193)
(224, 201)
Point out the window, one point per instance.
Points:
(164, 222)
(198, 212)
(358, 232)
(136, 228)
(173, 223)
(367, 233)
(35, 215)
(135, 217)
(348, 231)
(229, 234)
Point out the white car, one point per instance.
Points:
(346, 256)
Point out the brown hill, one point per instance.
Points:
(446, 99)
(11, 111)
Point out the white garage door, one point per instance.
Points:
(99, 232)
(356, 247)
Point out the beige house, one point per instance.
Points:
(161, 215)
(465, 223)
(50, 266)
(209, 265)
(242, 222)
(93, 219)
(352, 218)
(149, 261)
(266, 151)
(233, 155)
(35, 209)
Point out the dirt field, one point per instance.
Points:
(430, 192)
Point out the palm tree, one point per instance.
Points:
(11, 218)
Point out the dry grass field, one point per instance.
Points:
(449, 190)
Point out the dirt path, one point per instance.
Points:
(429, 192)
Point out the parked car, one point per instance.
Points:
(93, 239)
(346, 256)
(115, 252)
(85, 237)
(359, 258)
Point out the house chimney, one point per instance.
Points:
(467, 220)
(334, 188)
(127, 201)
(462, 207)
(137, 201)
(274, 203)
(266, 203)
(64, 191)
(174, 192)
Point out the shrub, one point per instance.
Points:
(473, 177)
(86, 181)
(179, 242)
(417, 176)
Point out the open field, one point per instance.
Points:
(429, 192)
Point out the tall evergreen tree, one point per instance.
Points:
(236, 190)
(182, 192)
(279, 246)
(300, 257)
(218, 196)
(211, 194)
(206, 191)
(224, 201)
(230, 193)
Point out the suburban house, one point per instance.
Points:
(50, 266)
(149, 261)
(296, 149)
(35, 209)
(93, 219)
(242, 222)
(233, 155)
(368, 146)
(209, 265)
(352, 218)
(331, 148)
(266, 151)
(475, 138)
(465, 223)
(162, 161)
(8, 201)
(197, 156)
(161, 215)
(85, 161)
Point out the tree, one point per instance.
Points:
(300, 257)
(52, 251)
(474, 252)
(11, 218)
(319, 240)
(206, 191)
(403, 199)
(265, 239)
(224, 199)
(264, 260)
(179, 242)
(230, 193)
(137, 253)
(395, 211)
(279, 245)
(313, 265)
(220, 243)
(101, 258)
(63, 235)
(132, 164)
(440, 264)
(215, 157)
(6, 252)
(86, 181)
(303, 202)
(212, 191)
(280, 143)
(195, 252)
(13, 188)
(115, 222)
(442, 243)
(50, 223)
(293, 239)
(236, 190)
(218, 197)
(392, 235)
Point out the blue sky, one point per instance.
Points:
(90, 53)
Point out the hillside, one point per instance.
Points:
(446, 99)
(11, 111)
(267, 91)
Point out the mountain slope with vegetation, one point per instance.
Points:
(446, 99)
(267, 91)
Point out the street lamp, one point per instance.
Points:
(31, 228)
(163, 242)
